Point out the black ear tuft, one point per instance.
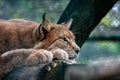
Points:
(44, 16)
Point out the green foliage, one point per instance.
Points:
(32, 9)
(106, 20)
(95, 50)
(110, 46)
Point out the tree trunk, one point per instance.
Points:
(86, 14)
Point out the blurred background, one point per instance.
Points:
(104, 41)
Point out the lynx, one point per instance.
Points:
(20, 33)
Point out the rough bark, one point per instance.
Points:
(86, 14)
(24, 73)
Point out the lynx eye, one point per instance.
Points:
(66, 39)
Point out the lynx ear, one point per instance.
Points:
(43, 28)
(45, 23)
(68, 23)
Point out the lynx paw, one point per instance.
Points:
(40, 56)
(60, 54)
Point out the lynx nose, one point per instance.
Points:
(77, 51)
(75, 47)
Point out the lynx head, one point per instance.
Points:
(48, 33)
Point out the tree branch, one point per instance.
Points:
(105, 69)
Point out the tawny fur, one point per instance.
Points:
(20, 33)
(60, 54)
(61, 44)
(34, 56)
(29, 57)
(19, 57)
